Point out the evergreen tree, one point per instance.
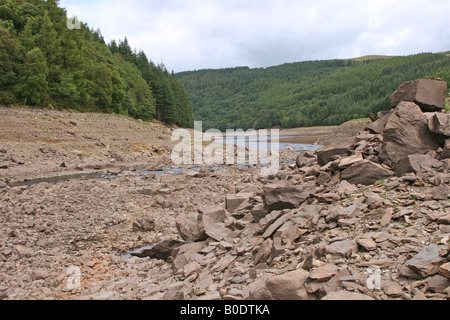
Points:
(33, 86)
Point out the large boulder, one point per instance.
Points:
(406, 132)
(428, 94)
(366, 173)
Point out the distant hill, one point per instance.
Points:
(371, 57)
(309, 93)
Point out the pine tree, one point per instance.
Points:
(33, 86)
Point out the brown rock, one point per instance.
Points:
(349, 161)
(445, 153)
(406, 133)
(366, 173)
(162, 250)
(324, 273)
(343, 248)
(414, 163)
(444, 270)
(286, 198)
(190, 227)
(392, 289)
(427, 93)
(288, 286)
(367, 244)
(440, 124)
(144, 224)
(325, 155)
(264, 251)
(426, 261)
(378, 126)
(346, 295)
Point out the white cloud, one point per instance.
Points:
(194, 34)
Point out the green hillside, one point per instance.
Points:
(47, 62)
(306, 93)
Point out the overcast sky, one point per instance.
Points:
(199, 34)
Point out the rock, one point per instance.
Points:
(378, 126)
(426, 261)
(323, 178)
(214, 226)
(258, 291)
(286, 198)
(343, 248)
(428, 94)
(277, 224)
(288, 286)
(185, 254)
(328, 197)
(414, 163)
(346, 295)
(305, 158)
(224, 263)
(367, 244)
(162, 250)
(444, 270)
(439, 123)
(259, 211)
(325, 155)
(144, 224)
(441, 192)
(219, 232)
(445, 153)
(438, 283)
(264, 251)
(235, 202)
(406, 133)
(190, 227)
(349, 161)
(366, 173)
(324, 273)
(392, 289)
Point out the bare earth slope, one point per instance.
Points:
(38, 143)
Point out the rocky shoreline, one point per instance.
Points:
(361, 219)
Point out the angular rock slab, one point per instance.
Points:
(426, 262)
(427, 93)
(366, 173)
(406, 132)
(285, 198)
(288, 286)
(325, 155)
(344, 248)
(414, 163)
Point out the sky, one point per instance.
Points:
(211, 34)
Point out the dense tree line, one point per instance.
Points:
(306, 93)
(45, 63)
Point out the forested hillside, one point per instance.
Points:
(45, 63)
(305, 93)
